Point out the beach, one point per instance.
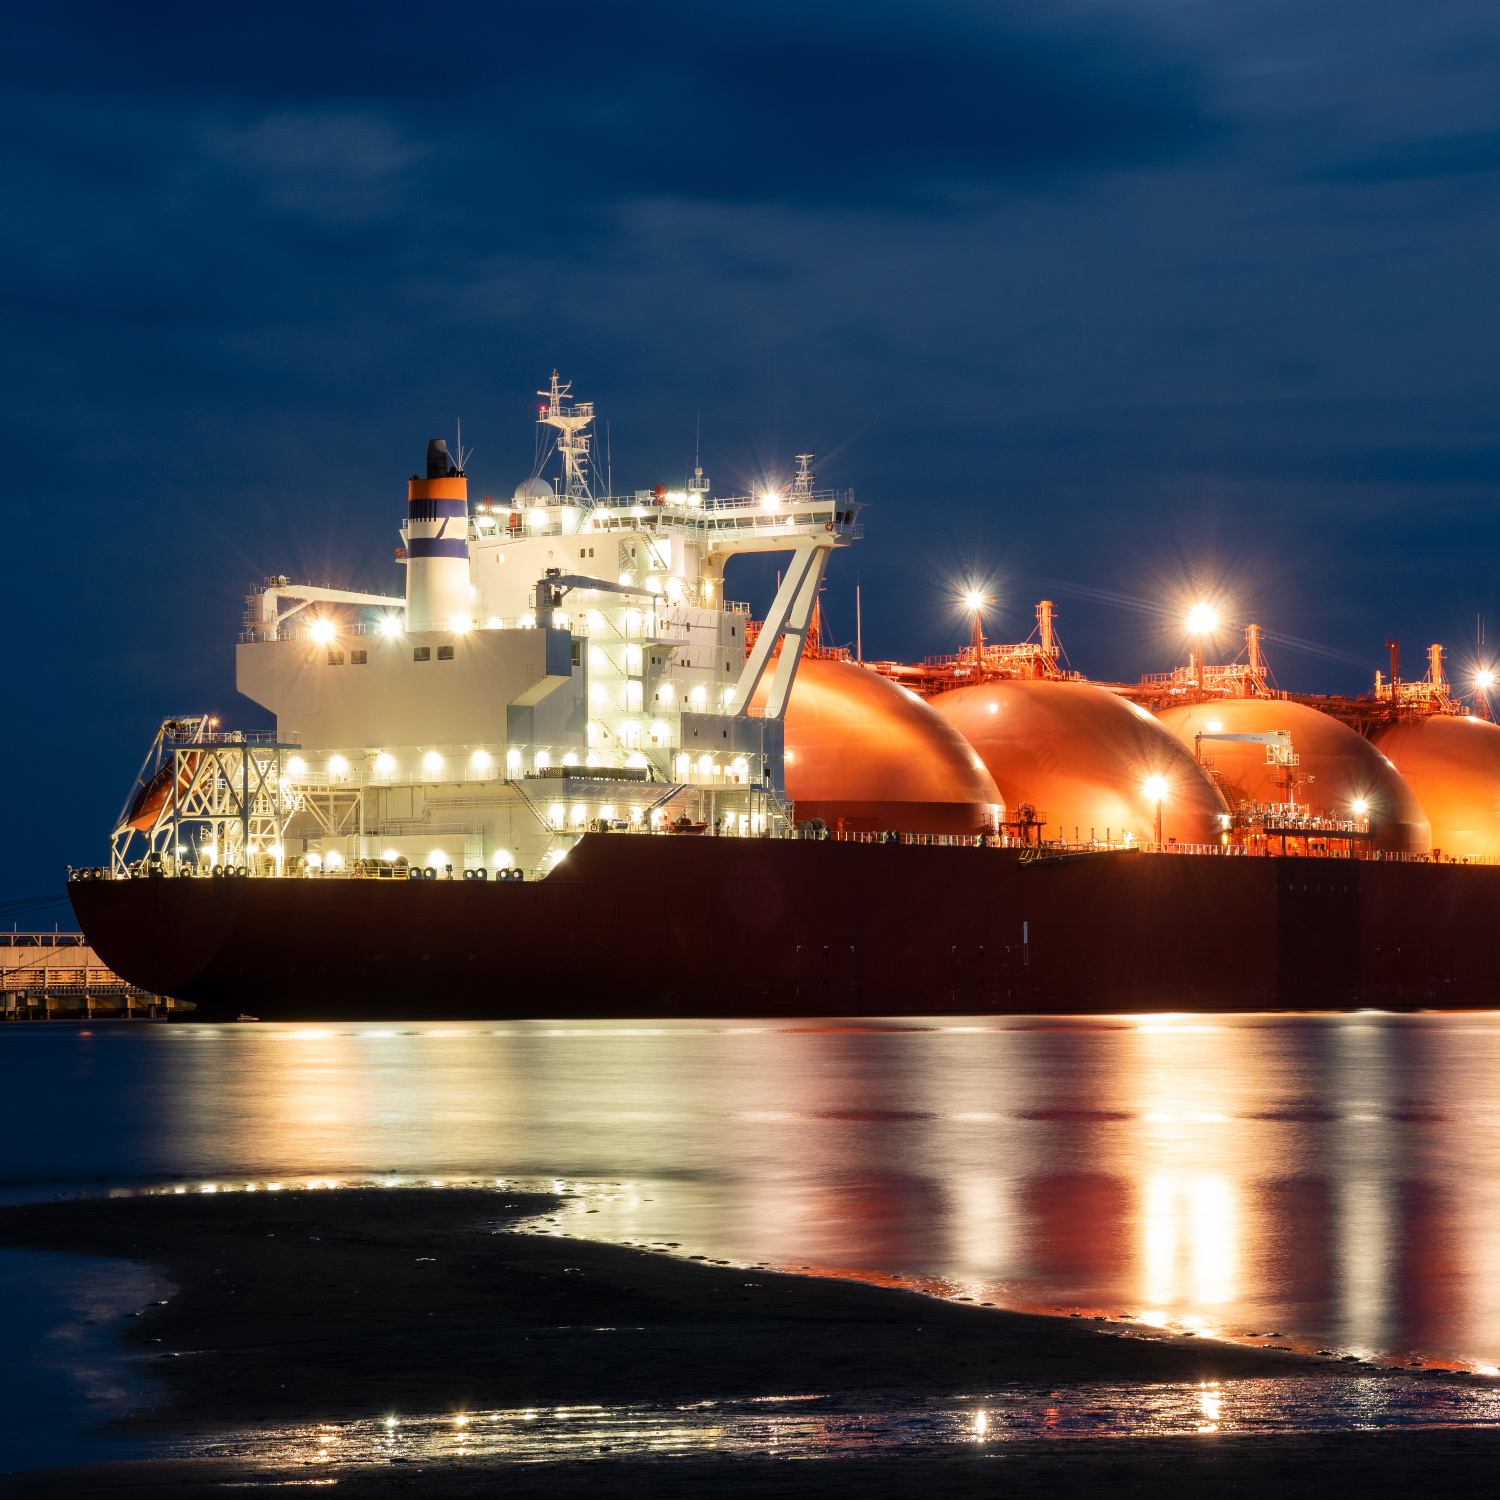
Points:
(337, 1307)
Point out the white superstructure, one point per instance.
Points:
(560, 661)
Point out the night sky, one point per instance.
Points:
(1150, 300)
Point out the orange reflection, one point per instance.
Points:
(1330, 1178)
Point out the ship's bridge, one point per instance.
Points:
(740, 523)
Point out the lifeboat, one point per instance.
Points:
(148, 802)
(865, 755)
(1453, 766)
(1344, 766)
(1082, 758)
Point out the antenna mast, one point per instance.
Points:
(697, 485)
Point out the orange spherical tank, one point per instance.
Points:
(1085, 759)
(865, 755)
(1453, 766)
(1346, 768)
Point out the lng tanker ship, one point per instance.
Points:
(563, 774)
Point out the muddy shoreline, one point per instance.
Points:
(337, 1306)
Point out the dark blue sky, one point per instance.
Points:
(1138, 298)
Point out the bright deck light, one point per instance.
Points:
(973, 599)
(322, 631)
(1484, 679)
(385, 764)
(390, 625)
(1155, 787)
(433, 761)
(1202, 618)
(1360, 805)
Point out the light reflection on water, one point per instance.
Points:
(813, 1426)
(1333, 1180)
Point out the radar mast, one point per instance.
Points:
(572, 442)
(804, 479)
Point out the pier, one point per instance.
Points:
(57, 976)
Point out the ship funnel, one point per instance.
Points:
(437, 545)
(438, 463)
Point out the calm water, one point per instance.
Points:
(63, 1373)
(1334, 1180)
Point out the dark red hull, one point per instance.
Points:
(642, 926)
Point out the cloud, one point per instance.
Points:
(332, 165)
(876, 106)
(902, 107)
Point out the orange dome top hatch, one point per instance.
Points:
(1082, 757)
(866, 755)
(1344, 766)
(1452, 764)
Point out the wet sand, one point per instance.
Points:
(309, 1306)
